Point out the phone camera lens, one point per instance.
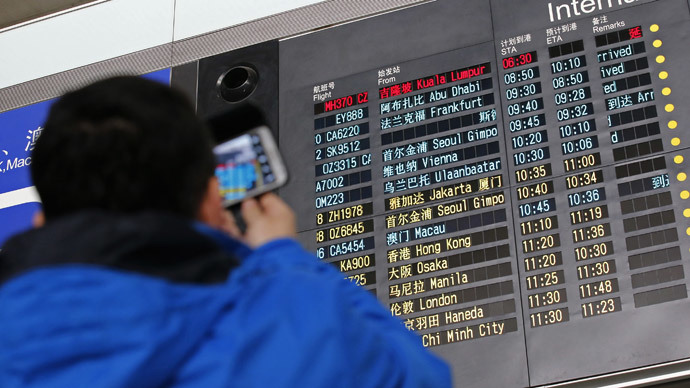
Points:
(237, 83)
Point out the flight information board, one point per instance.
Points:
(509, 178)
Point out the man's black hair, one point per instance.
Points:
(124, 144)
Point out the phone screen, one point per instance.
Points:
(242, 166)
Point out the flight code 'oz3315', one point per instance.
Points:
(343, 164)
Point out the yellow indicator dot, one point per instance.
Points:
(675, 141)
(656, 43)
(666, 91)
(678, 159)
(669, 107)
(672, 124)
(686, 213)
(663, 75)
(687, 231)
(660, 59)
(685, 194)
(654, 28)
(681, 177)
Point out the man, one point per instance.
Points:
(132, 278)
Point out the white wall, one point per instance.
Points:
(118, 27)
(196, 17)
(103, 31)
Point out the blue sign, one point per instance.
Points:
(162, 76)
(19, 130)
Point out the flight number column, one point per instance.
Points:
(343, 203)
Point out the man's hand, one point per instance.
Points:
(267, 218)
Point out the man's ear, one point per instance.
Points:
(39, 219)
(211, 207)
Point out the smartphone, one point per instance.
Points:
(249, 165)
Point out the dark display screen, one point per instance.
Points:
(517, 194)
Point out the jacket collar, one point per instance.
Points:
(152, 243)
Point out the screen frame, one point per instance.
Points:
(275, 161)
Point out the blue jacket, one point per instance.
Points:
(279, 319)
